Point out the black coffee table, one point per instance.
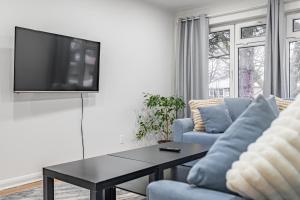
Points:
(99, 175)
(102, 174)
(164, 160)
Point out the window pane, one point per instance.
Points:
(294, 69)
(251, 71)
(219, 64)
(219, 43)
(253, 31)
(296, 25)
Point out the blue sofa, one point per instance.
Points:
(183, 128)
(183, 132)
(172, 190)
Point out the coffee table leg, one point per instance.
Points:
(48, 185)
(110, 194)
(96, 195)
(174, 173)
(159, 174)
(151, 178)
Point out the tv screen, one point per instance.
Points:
(46, 62)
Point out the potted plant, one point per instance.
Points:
(158, 116)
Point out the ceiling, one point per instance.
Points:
(177, 5)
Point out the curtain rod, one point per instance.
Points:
(237, 11)
(182, 19)
(222, 14)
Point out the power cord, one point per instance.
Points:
(81, 127)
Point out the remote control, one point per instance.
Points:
(171, 149)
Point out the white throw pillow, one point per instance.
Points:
(270, 169)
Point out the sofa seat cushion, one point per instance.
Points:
(171, 190)
(200, 137)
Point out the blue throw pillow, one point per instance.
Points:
(272, 101)
(210, 171)
(236, 106)
(216, 118)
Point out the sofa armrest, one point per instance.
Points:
(181, 126)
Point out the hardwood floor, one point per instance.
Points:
(21, 188)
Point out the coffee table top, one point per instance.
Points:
(153, 155)
(106, 171)
(99, 170)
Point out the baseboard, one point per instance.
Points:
(21, 180)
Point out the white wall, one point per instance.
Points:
(37, 130)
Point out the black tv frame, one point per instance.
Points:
(52, 91)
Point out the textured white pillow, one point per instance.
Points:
(270, 169)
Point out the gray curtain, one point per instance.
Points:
(192, 60)
(276, 79)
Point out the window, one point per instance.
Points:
(253, 31)
(219, 62)
(249, 32)
(236, 60)
(251, 70)
(294, 69)
(227, 92)
(296, 25)
(250, 51)
(293, 54)
(293, 26)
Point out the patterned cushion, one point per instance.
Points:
(282, 103)
(195, 105)
(270, 169)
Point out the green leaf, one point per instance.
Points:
(158, 115)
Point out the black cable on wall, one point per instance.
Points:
(81, 127)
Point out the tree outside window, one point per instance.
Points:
(219, 64)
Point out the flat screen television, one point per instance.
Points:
(47, 62)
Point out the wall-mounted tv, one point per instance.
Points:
(47, 62)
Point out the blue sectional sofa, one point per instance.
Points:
(183, 132)
(172, 190)
(183, 128)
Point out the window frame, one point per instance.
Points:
(290, 25)
(287, 62)
(244, 43)
(235, 43)
(291, 36)
(232, 53)
(238, 32)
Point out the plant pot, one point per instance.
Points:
(163, 141)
